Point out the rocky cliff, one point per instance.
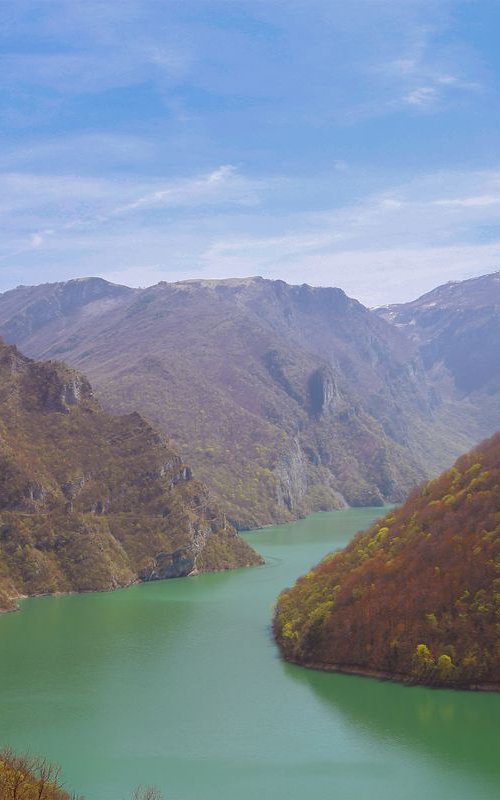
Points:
(91, 501)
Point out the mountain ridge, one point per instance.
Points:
(286, 399)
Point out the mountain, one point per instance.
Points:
(457, 330)
(416, 597)
(285, 399)
(89, 501)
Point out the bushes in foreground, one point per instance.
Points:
(27, 777)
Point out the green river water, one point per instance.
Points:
(178, 683)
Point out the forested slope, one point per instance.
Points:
(417, 596)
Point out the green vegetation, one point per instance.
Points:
(417, 596)
(92, 502)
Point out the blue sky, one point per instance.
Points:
(352, 143)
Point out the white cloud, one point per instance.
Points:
(378, 277)
(423, 97)
(62, 204)
(223, 184)
(36, 240)
(389, 246)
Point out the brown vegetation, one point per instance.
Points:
(26, 777)
(89, 501)
(417, 596)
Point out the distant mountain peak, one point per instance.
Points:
(457, 328)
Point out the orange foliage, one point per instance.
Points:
(415, 597)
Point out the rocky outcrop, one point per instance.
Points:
(291, 475)
(90, 501)
(322, 391)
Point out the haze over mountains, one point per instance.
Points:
(457, 330)
(284, 399)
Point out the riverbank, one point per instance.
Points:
(178, 684)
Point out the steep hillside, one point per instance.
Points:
(457, 330)
(285, 399)
(417, 596)
(91, 501)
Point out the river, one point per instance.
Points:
(178, 684)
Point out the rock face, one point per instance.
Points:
(416, 597)
(457, 330)
(90, 501)
(285, 399)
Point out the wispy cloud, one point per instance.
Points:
(145, 233)
(430, 72)
(423, 97)
(223, 185)
(60, 204)
(221, 137)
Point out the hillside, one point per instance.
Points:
(457, 330)
(89, 501)
(285, 399)
(417, 596)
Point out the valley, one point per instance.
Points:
(249, 400)
(178, 683)
(283, 399)
(286, 400)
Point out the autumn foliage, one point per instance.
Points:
(417, 596)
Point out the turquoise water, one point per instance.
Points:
(179, 684)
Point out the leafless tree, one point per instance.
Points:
(47, 776)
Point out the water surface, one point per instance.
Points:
(179, 684)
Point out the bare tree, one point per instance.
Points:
(48, 776)
(25, 777)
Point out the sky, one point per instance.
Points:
(351, 143)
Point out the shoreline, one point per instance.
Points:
(401, 678)
(136, 582)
